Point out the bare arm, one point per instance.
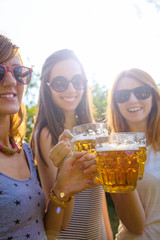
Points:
(48, 174)
(106, 219)
(130, 211)
(71, 179)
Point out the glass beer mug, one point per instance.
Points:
(84, 136)
(117, 162)
(142, 153)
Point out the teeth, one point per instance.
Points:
(69, 99)
(7, 96)
(134, 109)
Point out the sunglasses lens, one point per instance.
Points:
(143, 92)
(2, 73)
(122, 96)
(59, 84)
(78, 82)
(22, 75)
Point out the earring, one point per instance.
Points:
(4, 83)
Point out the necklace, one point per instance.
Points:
(12, 150)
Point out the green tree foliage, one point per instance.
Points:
(31, 100)
(100, 101)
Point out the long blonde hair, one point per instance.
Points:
(118, 123)
(18, 120)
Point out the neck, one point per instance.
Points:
(70, 120)
(139, 127)
(4, 130)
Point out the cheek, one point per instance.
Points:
(81, 94)
(54, 96)
(20, 92)
(149, 105)
(121, 108)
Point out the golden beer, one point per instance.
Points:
(84, 136)
(142, 156)
(85, 144)
(117, 169)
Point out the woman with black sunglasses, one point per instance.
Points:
(63, 104)
(134, 106)
(23, 213)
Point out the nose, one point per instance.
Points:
(70, 87)
(9, 80)
(132, 97)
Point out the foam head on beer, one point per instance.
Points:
(115, 147)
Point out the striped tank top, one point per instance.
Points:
(86, 222)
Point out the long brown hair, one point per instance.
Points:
(48, 113)
(18, 120)
(118, 123)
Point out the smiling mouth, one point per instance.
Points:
(135, 109)
(66, 99)
(7, 96)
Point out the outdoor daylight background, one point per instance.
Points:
(108, 36)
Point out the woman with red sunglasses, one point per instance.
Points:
(134, 106)
(23, 213)
(63, 104)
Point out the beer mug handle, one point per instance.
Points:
(72, 144)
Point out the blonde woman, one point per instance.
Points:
(134, 106)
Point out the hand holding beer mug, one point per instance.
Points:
(142, 153)
(84, 136)
(117, 162)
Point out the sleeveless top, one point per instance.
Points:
(22, 205)
(149, 193)
(86, 222)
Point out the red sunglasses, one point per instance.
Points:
(20, 73)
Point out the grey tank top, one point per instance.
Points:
(87, 220)
(22, 205)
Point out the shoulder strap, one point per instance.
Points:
(30, 159)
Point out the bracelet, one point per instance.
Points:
(58, 202)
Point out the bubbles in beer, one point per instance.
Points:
(117, 167)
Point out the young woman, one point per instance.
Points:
(134, 106)
(63, 104)
(22, 201)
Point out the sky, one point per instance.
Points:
(108, 36)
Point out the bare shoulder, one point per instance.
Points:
(45, 144)
(45, 133)
(45, 138)
(47, 170)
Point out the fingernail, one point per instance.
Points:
(70, 135)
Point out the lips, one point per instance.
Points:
(69, 99)
(134, 109)
(7, 95)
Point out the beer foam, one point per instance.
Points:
(115, 147)
(82, 137)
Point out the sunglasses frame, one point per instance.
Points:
(134, 91)
(67, 83)
(10, 69)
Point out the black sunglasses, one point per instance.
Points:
(141, 93)
(20, 73)
(60, 83)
